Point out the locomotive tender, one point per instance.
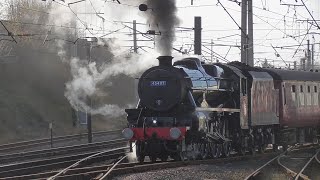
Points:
(195, 110)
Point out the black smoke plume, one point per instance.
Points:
(162, 16)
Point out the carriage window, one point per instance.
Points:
(284, 95)
(301, 95)
(315, 96)
(244, 86)
(293, 93)
(308, 96)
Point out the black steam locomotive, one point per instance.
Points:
(195, 110)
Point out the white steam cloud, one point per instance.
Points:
(86, 78)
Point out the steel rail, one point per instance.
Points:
(73, 172)
(49, 164)
(306, 165)
(57, 165)
(85, 170)
(288, 170)
(82, 160)
(45, 164)
(56, 151)
(23, 144)
(123, 168)
(52, 173)
(258, 171)
(129, 167)
(110, 170)
(138, 167)
(57, 138)
(317, 159)
(278, 157)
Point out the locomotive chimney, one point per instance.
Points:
(165, 60)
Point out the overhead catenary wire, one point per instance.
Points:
(122, 4)
(273, 29)
(276, 28)
(231, 17)
(310, 14)
(9, 32)
(93, 7)
(224, 59)
(301, 43)
(278, 55)
(186, 29)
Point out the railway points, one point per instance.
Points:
(62, 161)
(45, 142)
(288, 165)
(55, 152)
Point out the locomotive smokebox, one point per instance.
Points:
(165, 60)
(162, 87)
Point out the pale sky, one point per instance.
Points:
(274, 24)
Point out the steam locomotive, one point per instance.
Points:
(192, 110)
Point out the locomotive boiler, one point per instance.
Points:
(190, 109)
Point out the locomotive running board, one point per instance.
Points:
(218, 109)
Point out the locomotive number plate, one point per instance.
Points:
(158, 83)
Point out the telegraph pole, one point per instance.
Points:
(197, 35)
(89, 125)
(247, 33)
(135, 50)
(308, 56)
(244, 39)
(135, 47)
(312, 56)
(250, 35)
(303, 63)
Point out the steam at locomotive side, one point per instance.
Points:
(192, 110)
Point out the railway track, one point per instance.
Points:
(74, 167)
(314, 159)
(4, 148)
(126, 168)
(64, 171)
(118, 168)
(76, 172)
(277, 165)
(53, 163)
(84, 166)
(45, 153)
(138, 168)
